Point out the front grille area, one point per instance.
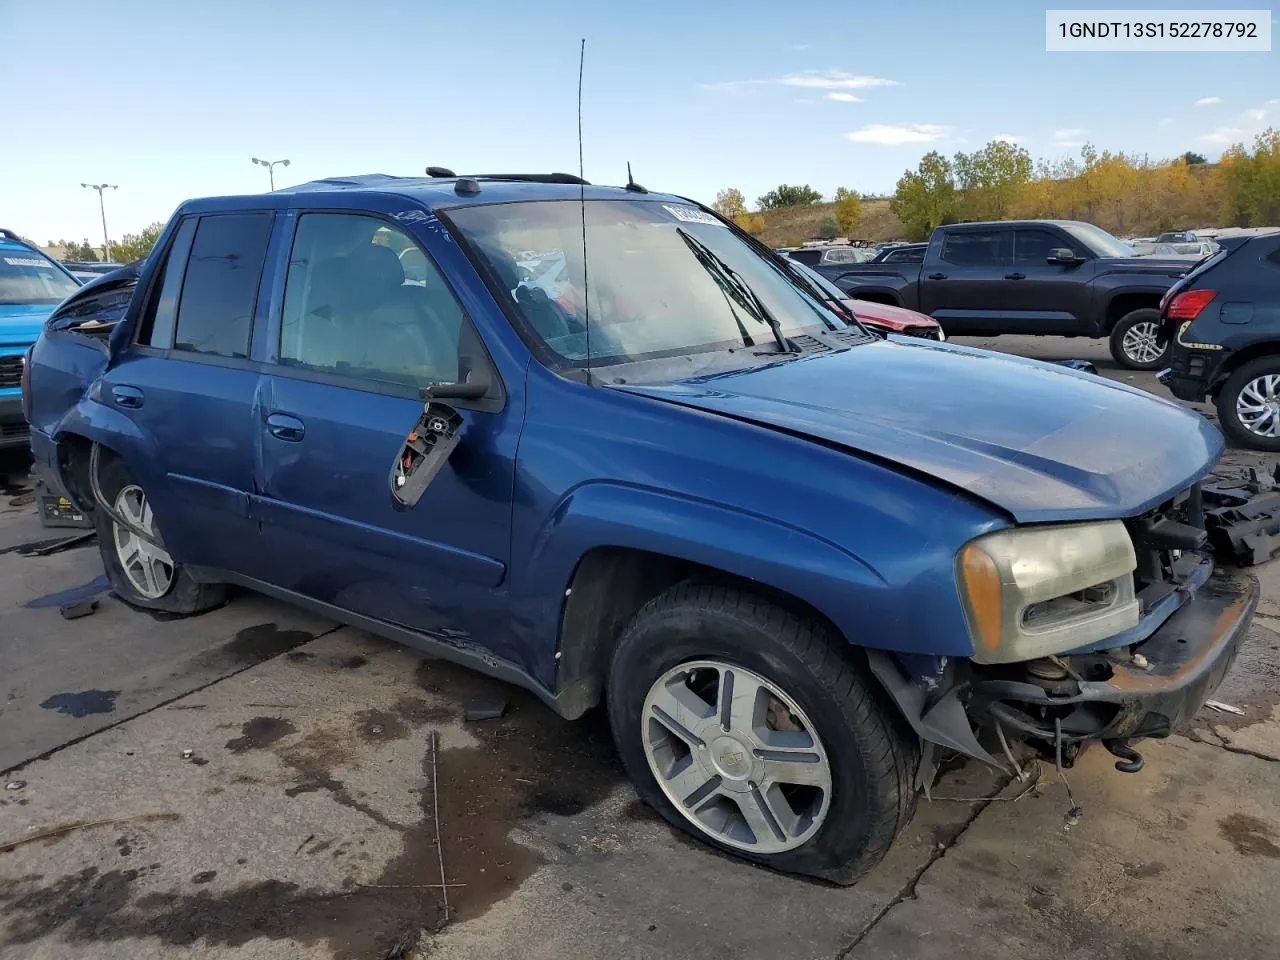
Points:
(927, 333)
(1170, 543)
(10, 371)
(14, 431)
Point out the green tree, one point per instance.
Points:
(828, 229)
(785, 195)
(730, 203)
(75, 251)
(135, 246)
(848, 211)
(990, 178)
(1191, 159)
(925, 197)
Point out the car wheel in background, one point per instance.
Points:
(141, 572)
(760, 732)
(1137, 342)
(1249, 405)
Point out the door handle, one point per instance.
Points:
(126, 396)
(937, 276)
(284, 427)
(1015, 276)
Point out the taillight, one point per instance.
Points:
(26, 384)
(1188, 304)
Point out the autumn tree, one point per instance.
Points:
(730, 203)
(785, 195)
(1252, 181)
(925, 198)
(135, 246)
(848, 211)
(752, 223)
(989, 179)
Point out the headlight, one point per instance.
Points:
(1036, 591)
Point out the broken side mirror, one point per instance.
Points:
(432, 439)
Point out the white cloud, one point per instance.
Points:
(893, 136)
(842, 97)
(1224, 135)
(1071, 133)
(1257, 114)
(1008, 137)
(1208, 101)
(809, 79)
(1272, 103)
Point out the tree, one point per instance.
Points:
(828, 229)
(925, 197)
(71, 250)
(991, 177)
(730, 203)
(135, 246)
(752, 223)
(1191, 159)
(785, 195)
(848, 211)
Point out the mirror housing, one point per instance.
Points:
(1062, 255)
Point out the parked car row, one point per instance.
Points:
(800, 562)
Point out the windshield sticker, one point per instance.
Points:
(28, 262)
(691, 215)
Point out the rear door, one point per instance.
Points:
(189, 385)
(1043, 297)
(963, 286)
(359, 336)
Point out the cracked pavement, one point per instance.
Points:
(258, 783)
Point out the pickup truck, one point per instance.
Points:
(1059, 277)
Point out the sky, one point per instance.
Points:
(170, 100)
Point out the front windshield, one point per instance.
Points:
(1099, 241)
(827, 288)
(29, 277)
(662, 279)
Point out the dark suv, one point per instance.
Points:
(799, 562)
(1223, 320)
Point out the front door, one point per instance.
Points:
(368, 320)
(188, 384)
(962, 288)
(1044, 297)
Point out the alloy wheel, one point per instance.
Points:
(1258, 405)
(1142, 342)
(148, 566)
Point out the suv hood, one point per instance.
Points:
(1040, 441)
(21, 323)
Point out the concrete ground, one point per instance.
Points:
(258, 783)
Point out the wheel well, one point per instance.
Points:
(1270, 348)
(1124, 303)
(608, 588)
(73, 460)
(874, 296)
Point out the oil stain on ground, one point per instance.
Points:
(525, 766)
(1250, 836)
(259, 643)
(260, 733)
(86, 591)
(82, 704)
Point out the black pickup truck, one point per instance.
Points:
(1057, 277)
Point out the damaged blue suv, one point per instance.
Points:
(800, 562)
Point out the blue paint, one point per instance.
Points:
(86, 591)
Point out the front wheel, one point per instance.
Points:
(1249, 405)
(759, 732)
(1137, 342)
(141, 571)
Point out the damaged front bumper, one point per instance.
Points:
(1059, 705)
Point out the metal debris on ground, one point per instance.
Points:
(1242, 515)
(44, 548)
(15, 784)
(78, 609)
(1223, 707)
(484, 709)
(188, 754)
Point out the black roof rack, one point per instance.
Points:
(10, 235)
(532, 177)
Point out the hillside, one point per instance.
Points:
(792, 225)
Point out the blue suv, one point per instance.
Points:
(31, 285)
(801, 562)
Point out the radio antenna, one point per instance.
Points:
(582, 203)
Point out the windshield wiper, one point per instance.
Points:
(740, 290)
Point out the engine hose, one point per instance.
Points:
(108, 509)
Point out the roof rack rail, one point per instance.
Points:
(10, 235)
(532, 177)
(440, 172)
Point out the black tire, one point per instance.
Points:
(184, 596)
(872, 753)
(1123, 326)
(1236, 431)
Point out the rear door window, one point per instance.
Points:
(215, 310)
(977, 248)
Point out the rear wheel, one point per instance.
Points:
(759, 732)
(1249, 405)
(1137, 342)
(141, 571)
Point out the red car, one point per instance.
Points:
(882, 316)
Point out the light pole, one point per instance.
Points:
(100, 187)
(270, 165)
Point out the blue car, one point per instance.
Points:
(31, 285)
(799, 562)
